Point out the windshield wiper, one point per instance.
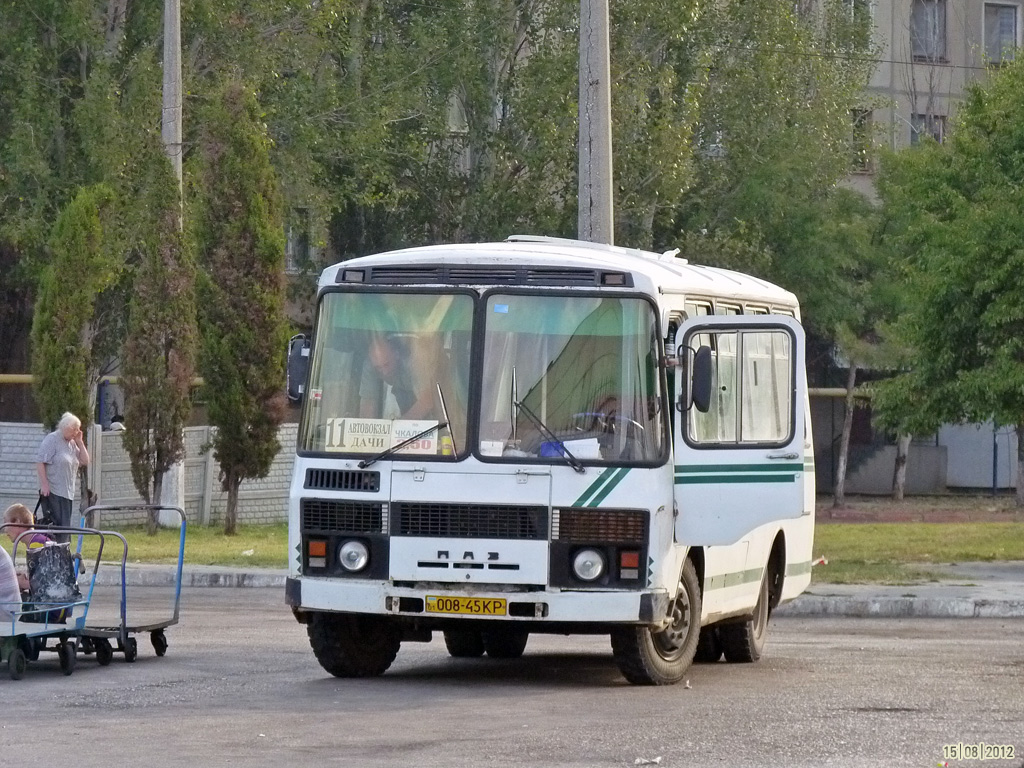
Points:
(395, 448)
(564, 452)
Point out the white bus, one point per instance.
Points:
(548, 436)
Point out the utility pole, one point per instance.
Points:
(170, 128)
(595, 223)
(172, 492)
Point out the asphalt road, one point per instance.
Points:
(239, 686)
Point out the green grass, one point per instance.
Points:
(268, 545)
(894, 553)
(887, 553)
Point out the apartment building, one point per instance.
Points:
(929, 52)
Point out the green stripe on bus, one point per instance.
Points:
(729, 479)
(607, 480)
(798, 569)
(620, 473)
(688, 468)
(723, 580)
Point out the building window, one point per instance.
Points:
(1000, 32)
(860, 140)
(296, 249)
(928, 30)
(927, 125)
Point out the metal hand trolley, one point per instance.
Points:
(33, 625)
(98, 637)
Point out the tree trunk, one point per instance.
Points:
(839, 495)
(231, 483)
(899, 475)
(1019, 429)
(153, 518)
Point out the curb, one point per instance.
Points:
(903, 607)
(806, 605)
(157, 578)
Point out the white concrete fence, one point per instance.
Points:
(110, 476)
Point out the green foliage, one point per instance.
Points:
(63, 327)
(957, 223)
(159, 352)
(238, 229)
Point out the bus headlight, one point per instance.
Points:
(353, 555)
(588, 565)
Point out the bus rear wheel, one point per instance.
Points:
(744, 642)
(647, 657)
(347, 645)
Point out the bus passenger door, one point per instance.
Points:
(739, 462)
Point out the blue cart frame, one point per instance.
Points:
(21, 641)
(98, 637)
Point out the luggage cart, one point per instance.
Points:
(32, 626)
(98, 637)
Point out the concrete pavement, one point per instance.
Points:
(964, 590)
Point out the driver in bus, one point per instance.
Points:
(393, 385)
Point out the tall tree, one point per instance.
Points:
(959, 207)
(159, 352)
(65, 325)
(239, 231)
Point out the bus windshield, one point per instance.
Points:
(386, 367)
(571, 378)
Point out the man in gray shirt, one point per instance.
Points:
(59, 456)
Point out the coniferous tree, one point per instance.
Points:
(240, 236)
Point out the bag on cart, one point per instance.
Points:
(52, 578)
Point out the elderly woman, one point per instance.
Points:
(59, 456)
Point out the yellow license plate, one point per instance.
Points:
(474, 606)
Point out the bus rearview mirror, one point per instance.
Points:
(297, 366)
(701, 379)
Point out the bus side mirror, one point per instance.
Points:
(297, 366)
(701, 379)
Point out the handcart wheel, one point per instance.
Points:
(67, 653)
(16, 663)
(104, 651)
(131, 650)
(159, 642)
(30, 647)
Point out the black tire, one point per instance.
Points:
(67, 653)
(709, 646)
(131, 650)
(104, 651)
(159, 640)
(17, 663)
(464, 643)
(661, 658)
(743, 642)
(347, 645)
(30, 647)
(505, 644)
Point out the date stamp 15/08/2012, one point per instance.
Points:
(978, 751)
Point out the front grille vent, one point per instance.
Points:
(483, 274)
(469, 521)
(612, 526)
(337, 516)
(552, 276)
(411, 274)
(342, 480)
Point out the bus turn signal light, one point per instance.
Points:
(318, 549)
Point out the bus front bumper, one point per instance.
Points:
(550, 605)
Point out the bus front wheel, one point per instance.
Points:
(744, 642)
(648, 657)
(349, 645)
